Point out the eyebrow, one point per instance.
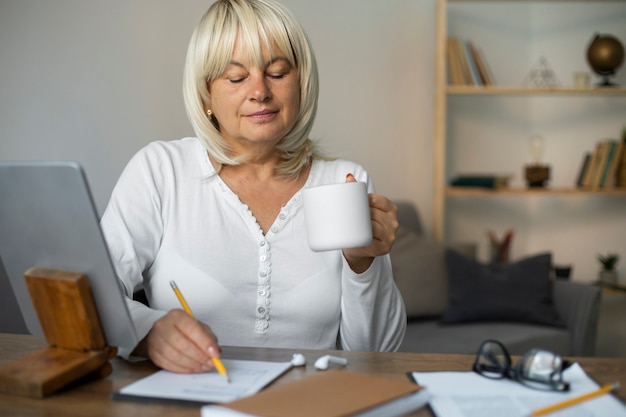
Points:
(267, 64)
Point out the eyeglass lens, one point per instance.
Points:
(540, 368)
(492, 361)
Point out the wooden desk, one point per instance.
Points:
(93, 398)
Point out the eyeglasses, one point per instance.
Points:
(538, 369)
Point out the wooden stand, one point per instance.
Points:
(77, 346)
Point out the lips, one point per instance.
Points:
(262, 115)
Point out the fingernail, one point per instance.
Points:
(213, 352)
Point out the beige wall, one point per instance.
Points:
(94, 81)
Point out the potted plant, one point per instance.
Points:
(608, 273)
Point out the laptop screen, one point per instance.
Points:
(48, 220)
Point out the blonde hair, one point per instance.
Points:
(259, 23)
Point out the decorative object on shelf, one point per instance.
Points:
(542, 75)
(500, 249)
(562, 271)
(608, 273)
(605, 54)
(537, 174)
(582, 79)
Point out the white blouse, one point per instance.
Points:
(171, 217)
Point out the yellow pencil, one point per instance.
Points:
(216, 361)
(576, 400)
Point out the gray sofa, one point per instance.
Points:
(420, 271)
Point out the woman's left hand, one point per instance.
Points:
(384, 228)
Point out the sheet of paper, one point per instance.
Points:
(246, 378)
(467, 394)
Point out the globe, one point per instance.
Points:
(605, 54)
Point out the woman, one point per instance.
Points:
(221, 214)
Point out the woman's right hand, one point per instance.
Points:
(179, 343)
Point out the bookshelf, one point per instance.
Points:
(513, 90)
(473, 191)
(444, 92)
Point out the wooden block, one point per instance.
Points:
(47, 370)
(68, 317)
(65, 309)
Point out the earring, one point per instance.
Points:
(209, 113)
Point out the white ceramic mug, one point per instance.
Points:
(337, 216)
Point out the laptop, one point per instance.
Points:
(48, 220)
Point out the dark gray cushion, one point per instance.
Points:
(419, 271)
(519, 291)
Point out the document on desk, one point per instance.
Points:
(246, 378)
(467, 394)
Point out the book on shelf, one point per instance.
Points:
(603, 168)
(605, 149)
(481, 181)
(594, 163)
(620, 180)
(454, 63)
(475, 77)
(458, 64)
(584, 166)
(458, 50)
(620, 168)
(465, 63)
(607, 180)
(481, 64)
(620, 175)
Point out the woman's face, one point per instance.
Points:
(255, 106)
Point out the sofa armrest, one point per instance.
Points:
(579, 307)
(409, 217)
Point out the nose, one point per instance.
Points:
(259, 88)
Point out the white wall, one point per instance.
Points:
(94, 81)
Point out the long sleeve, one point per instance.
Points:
(373, 313)
(132, 227)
